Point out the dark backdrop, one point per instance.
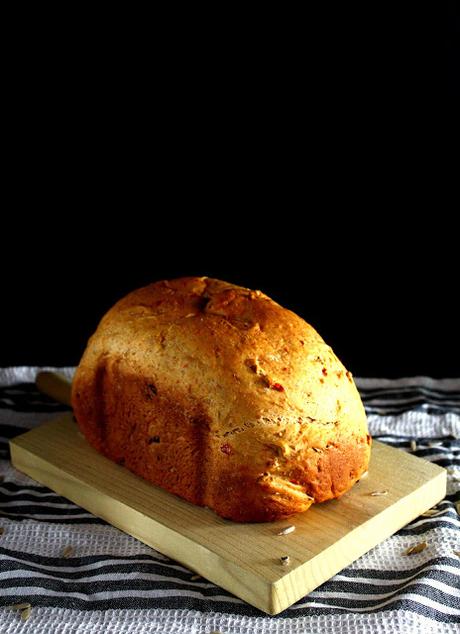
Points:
(383, 299)
(320, 166)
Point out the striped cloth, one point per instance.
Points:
(110, 582)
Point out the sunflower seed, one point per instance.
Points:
(19, 606)
(364, 475)
(195, 577)
(67, 552)
(26, 613)
(285, 560)
(287, 530)
(457, 552)
(379, 493)
(413, 550)
(413, 445)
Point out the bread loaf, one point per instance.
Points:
(221, 396)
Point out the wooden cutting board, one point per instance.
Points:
(242, 558)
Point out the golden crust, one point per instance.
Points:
(219, 395)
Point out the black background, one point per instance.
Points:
(385, 306)
(320, 167)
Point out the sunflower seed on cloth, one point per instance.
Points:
(413, 550)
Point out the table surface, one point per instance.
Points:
(81, 575)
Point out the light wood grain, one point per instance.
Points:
(54, 385)
(242, 558)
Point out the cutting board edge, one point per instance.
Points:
(191, 554)
(431, 492)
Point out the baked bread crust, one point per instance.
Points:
(221, 396)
